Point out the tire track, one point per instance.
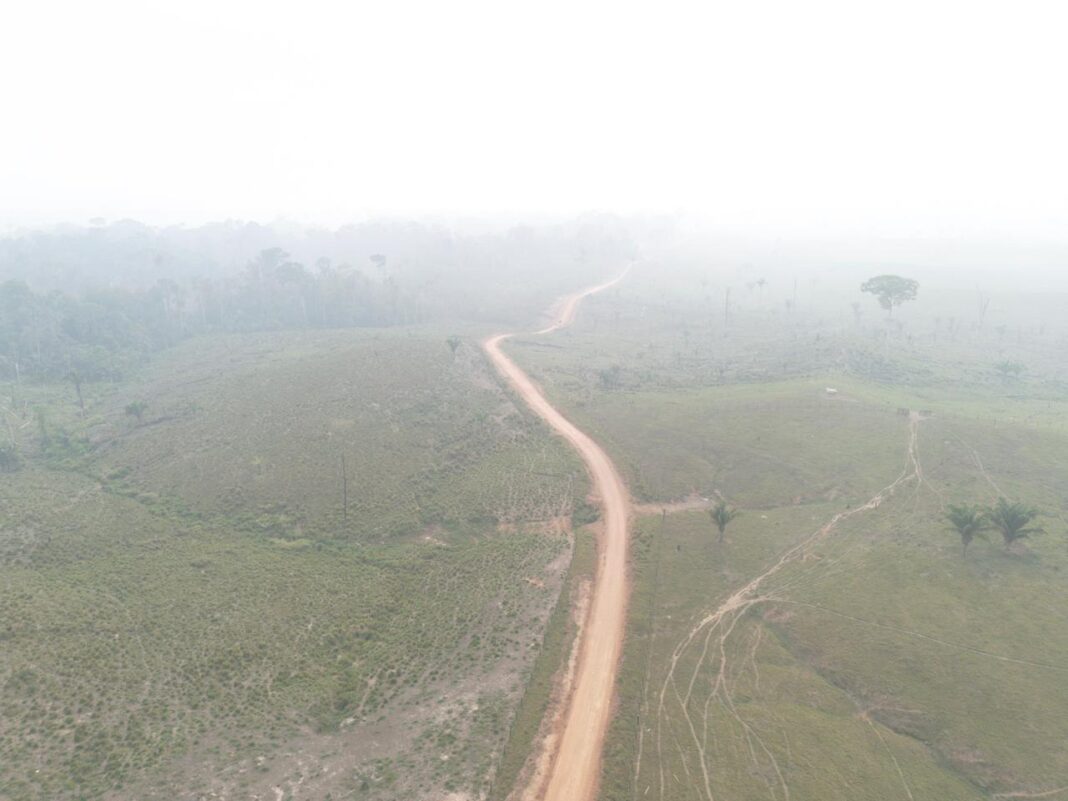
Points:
(722, 622)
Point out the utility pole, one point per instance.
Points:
(344, 490)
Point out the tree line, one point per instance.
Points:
(99, 333)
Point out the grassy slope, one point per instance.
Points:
(184, 610)
(427, 437)
(910, 698)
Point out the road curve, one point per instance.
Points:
(576, 767)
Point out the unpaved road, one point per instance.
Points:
(576, 767)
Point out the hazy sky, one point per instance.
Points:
(927, 116)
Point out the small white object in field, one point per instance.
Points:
(832, 391)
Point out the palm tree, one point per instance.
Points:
(721, 515)
(967, 521)
(1012, 520)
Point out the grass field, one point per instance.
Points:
(329, 565)
(427, 437)
(189, 610)
(875, 663)
(836, 645)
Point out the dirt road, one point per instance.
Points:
(576, 767)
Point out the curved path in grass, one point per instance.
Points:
(576, 766)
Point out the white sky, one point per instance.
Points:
(900, 116)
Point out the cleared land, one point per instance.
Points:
(189, 609)
(837, 645)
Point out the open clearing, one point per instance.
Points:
(843, 649)
(836, 646)
(189, 610)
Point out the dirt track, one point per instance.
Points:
(576, 767)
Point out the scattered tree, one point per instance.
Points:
(1009, 370)
(891, 290)
(967, 521)
(1013, 520)
(453, 342)
(137, 409)
(722, 515)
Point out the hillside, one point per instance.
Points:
(191, 610)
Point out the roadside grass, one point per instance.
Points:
(557, 642)
(187, 609)
(129, 640)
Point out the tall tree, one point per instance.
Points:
(891, 290)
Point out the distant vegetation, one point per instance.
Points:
(92, 303)
(99, 334)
